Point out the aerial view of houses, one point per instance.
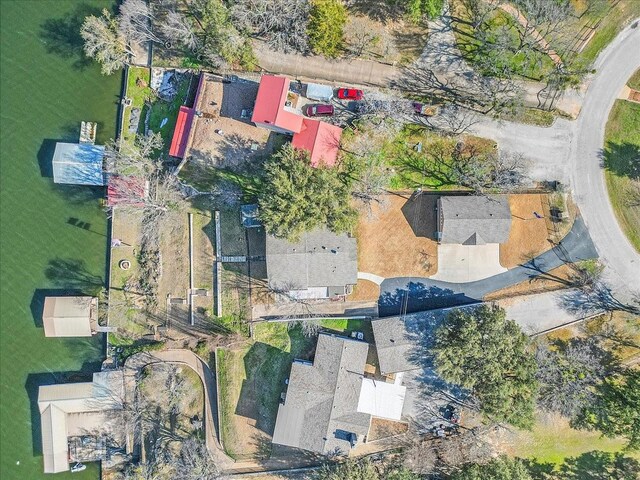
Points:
(320, 239)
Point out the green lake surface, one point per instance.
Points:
(47, 88)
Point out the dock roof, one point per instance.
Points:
(475, 220)
(270, 103)
(58, 404)
(320, 139)
(69, 316)
(78, 164)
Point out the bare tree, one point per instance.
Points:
(135, 22)
(104, 43)
(177, 28)
(569, 372)
(283, 23)
(371, 180)
(450, 120)
(195, 462)
(481, 93)
(309, 327)
(592, 295)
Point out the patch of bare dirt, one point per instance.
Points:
(529, 236)
(399, 239)
(364, 290)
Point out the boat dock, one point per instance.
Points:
(88, 132)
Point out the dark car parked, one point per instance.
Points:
(318, 110)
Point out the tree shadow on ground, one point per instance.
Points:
(621, 159)
(37, 301)
(382, 11)
(417, 297)
(71, 273)
(594, 465)
(266, 368)
(61, 36)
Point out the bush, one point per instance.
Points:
(326, 27)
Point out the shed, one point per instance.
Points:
(249, 215)
(323, 93)
(69, 316)
(78, 164)
(181, 132)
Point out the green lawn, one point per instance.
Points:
(535, 66)
(616, 20)
(413, 168)
(634, 81)
(554, 442)
(622, 165)
(143, 97)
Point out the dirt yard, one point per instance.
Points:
(224, 137)
(529, 234)
(365, 290)
(399, 240)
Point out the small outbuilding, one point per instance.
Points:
(70, 316)
(78, 164)
(473, 220)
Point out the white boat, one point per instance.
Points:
(78, 467)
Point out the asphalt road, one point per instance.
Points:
(614, 66)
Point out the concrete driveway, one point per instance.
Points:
(468, 263)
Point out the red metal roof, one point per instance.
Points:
(181, 132)
(320, 139)
(269, 106)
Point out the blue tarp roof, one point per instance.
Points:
(78, 164)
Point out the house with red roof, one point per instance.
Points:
(273, 110)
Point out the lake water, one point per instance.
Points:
(46, 90)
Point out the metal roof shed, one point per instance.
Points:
(78, 164)
(69, 316)
(323, 93)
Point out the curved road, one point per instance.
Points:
(614, 67)
(570, 151)
(135, 363)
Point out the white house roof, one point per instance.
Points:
(381, 399)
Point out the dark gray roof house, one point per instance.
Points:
(320, 265)
(402, 341)
(320, 410)
(473, 220)
(395, 344)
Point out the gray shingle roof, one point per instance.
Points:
(320, 259)
(322, 398)
(402, 341)
(474, 220)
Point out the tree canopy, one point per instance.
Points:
(502, 468)
(481, 350)
(616, 411)
(568, 373)
(326, 27)
(298, 197)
